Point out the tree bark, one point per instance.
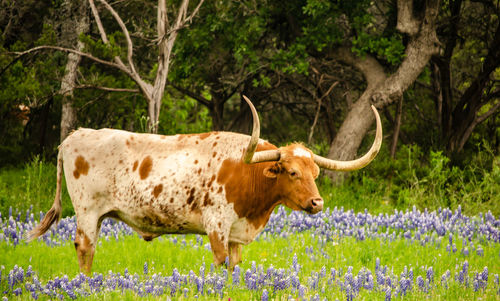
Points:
(397, 127)
(78, 12)
(383, 90)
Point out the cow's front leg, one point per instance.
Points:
(234, 254)
(219, 245)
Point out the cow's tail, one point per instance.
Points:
(54, 214)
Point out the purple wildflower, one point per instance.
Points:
(430, 274)
(420, 283)
(265, 295)
(145, 269)
(388, 293)
(302, 291)
(236, 275)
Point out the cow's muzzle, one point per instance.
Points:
(314, 205)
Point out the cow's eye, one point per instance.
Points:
(293, 173)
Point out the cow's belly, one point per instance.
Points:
(149, 221)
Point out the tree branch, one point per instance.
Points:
(104, 37)
(197, 97)
(372, 70)
(318, 109)
(109, 89)
(406, 22)
(486, 115)
(124, 29)
(84, 54)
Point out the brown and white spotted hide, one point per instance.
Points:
(181, 184)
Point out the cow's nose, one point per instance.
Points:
(316, 204)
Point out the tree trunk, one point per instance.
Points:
(397, 127)
(423, 43)
(217, 113)
(78, 12)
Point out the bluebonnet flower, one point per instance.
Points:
(388, 293)
(302, 291)
(420, 283)
(265, 295)
(145, 269)
(18, 291)
(484, 274)
(480, 251)
(430, 274)
(465, 267)
(236, 275)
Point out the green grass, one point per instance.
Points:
(163, 255)
(32, 185)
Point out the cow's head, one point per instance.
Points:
(296, 167)
(295, 172)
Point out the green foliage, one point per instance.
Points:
(30, 82)
(183, 115)
(367, 40)
(422, 180)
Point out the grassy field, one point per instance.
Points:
(364, 254)
(298, 256)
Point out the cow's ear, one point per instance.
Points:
(272, 171)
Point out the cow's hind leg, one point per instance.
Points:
(85, 241)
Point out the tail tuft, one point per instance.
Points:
(51, 217)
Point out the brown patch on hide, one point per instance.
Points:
(211, 181)
(157, 190)
(81, 167)
(207, 201)
(136, 163)
(205, 135)
(145, 168)
(191, 196)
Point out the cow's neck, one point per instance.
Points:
(254, 196)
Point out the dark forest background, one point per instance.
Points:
(311, 68)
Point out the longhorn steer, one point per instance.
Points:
(203, 183)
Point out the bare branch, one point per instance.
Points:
(84, 54)
(316, 116)
(109, 89)
(179, 23)
(97, 18)
(124, 29)
(195, 11)
(199, 98)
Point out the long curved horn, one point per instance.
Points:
(358, 163)
(249, 156)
